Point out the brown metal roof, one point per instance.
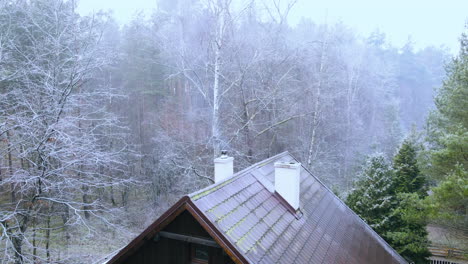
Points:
(247, 212)
(254, 225)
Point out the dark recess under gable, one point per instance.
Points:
(167, 250)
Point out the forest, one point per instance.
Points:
(103, 126)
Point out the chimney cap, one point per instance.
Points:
(224, 158)
(287, 164)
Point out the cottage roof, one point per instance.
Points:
(254, 224)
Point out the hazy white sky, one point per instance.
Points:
(429, 22)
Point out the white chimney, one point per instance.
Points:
(224, 167)
(287, 182)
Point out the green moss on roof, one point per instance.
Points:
(235, 208)
(235, 225)
(210, 190)
(266, 232)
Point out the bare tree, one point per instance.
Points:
(55, 125)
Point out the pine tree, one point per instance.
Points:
(450, 198)
(448, 138)
(388, 200)
(408, 178)
(408, 234)
(373, 195)
(448, 125)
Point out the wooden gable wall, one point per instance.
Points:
(167, 250)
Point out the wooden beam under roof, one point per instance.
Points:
(185, 238)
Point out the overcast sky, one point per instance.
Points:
(428, 22)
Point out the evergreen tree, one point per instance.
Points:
(388, 200)
(448, 125)
(408, 234)
(449, 199)
(448, 138)
(408, 178)
(373, 195)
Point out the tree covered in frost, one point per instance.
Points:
(177, 86)
(373, 195)
(64, 149)
(388, 199)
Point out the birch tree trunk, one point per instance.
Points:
(317, 106)
(218, 45)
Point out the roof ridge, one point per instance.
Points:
(238, 174)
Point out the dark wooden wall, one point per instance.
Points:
(172, 251)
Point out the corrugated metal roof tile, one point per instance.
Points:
(253, 220)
